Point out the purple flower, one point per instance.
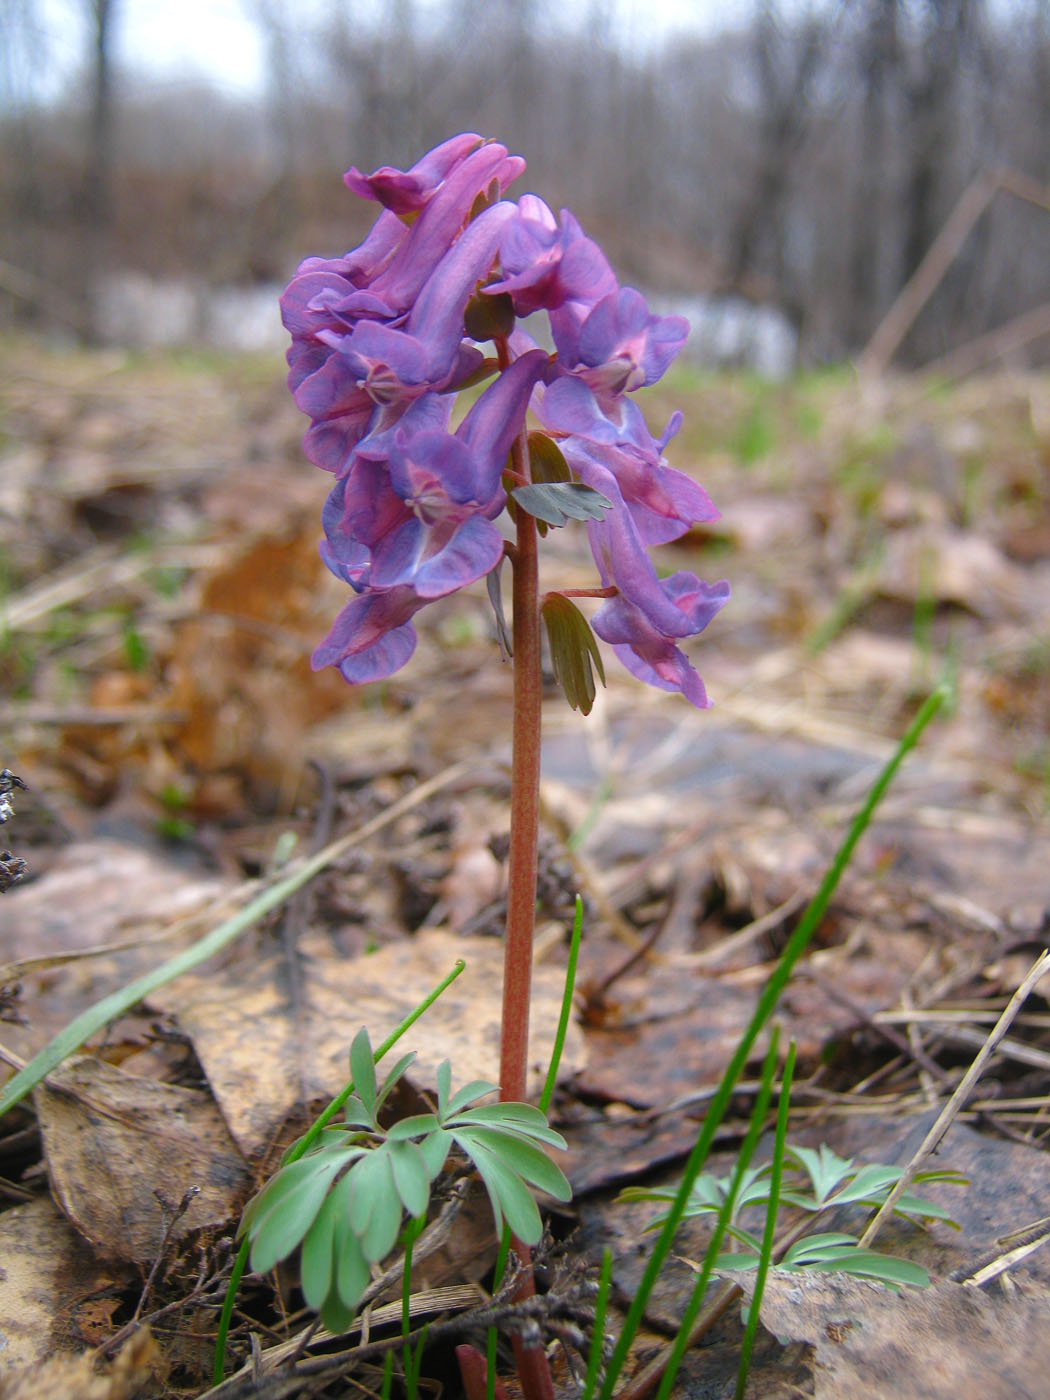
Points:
(356, 377)
(416, 507)
(372, 637)
(662, 501)
(379, 349)
(403, 191)
(619, 345)
(547, 266)
(652, 655)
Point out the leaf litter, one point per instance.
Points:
(162, 594)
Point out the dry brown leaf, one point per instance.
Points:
(79, 1377)
(113, 1140)
(241, 672)
(948, 1342)
(96, 894)
(678, 1032)
(48, 1271)
(951, 566)
(263, 1060)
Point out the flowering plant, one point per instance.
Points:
(383, 339)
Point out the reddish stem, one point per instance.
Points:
(524, 814)
(533, 1370)
(474, 1370)
(608, 592)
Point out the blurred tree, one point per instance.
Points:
(788, 60)
(97, 196)
(878, 57)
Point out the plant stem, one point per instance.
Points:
(524, 811)
(533, 1370)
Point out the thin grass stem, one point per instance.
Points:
(725, 1216)
(769, 1231)
(768, 999)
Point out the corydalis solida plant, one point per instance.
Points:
(383, 339)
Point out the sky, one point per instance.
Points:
(217, 40)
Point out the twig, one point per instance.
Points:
(924, 281)
(951, 1109)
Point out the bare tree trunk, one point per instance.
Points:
(786, 63)
(97, 201)
(878, 56)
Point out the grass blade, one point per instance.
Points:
(795, 947)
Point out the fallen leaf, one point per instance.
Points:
(948, 1342)
(47, 1270)
(113, 1140)
(97, 894)
(82, 1378)
(265, 1056)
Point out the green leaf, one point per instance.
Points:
(476, 1089)
(335, 1315)
(509, 1196)
(281, 1184)
(520, 1118)
(493, 583)
(558, 502)
(574, 652)
(292, 1201)
(887, 1268)
(486, 317)
(546, 464)
(390, 1082)
(352, 1274)
(819, 1246)
(384, 1225)
(917, 1206)
(373, 1183)
(865, 1263)
(824, 1167)
(317, 1262)
(363, 1071)
(409, 1169)
(356, 1115)
(435, 1148)
(724, 1263)
(444, 1086)
(519, 1155)
(415, 1126)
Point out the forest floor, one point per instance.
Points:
(160, 593)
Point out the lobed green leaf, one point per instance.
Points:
(415, 1126)
(391, 1080)
(573, 651)
(411, 1177)
(520, 1118)
(317, 1261)
(372, 1183)
(558, 502)
(444, 1086)
(287, 1207)
(363, 1071)
(519, 1155)
(352, 1274)
(509, 1196)
(476, 1089)
(435, 1148)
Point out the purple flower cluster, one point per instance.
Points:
(380, 349)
